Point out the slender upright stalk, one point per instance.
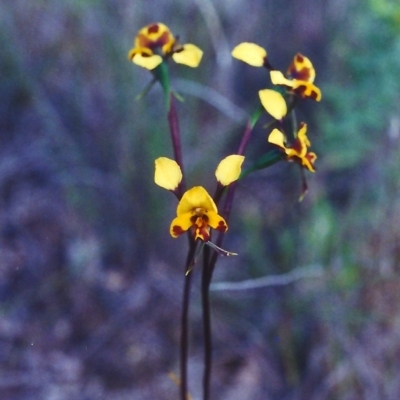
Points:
(205, 300)
(184, 337)
(209, 262)
(162, 74)
(173, 122)
(184, 342)
(249, 128)
(232, 187)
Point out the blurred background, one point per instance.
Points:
(91, 281)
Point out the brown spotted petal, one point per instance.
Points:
(307, 90)
(301, 69)
(155, 36)
(197, 211)
(180, 224)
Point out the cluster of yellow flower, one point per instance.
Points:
(196, 209)
(299, 81)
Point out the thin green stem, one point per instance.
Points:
(161, 74)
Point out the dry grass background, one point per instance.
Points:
(90, 282)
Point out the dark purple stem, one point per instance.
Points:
(205, 299)
(245, 138)
(184, 343)
(231, 192)
(176, 139)
(209, 262)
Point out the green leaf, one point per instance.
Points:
(265, 161)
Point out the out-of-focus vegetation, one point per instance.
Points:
(90, 281)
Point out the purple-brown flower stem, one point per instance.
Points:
(245, 138)
(176, 138)
(205, 300)
(231, 191)
(184, 336)
(210, 261)
(218, 193)
(249, 128)
(184, 342)
(232, 187)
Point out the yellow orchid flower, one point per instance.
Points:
(300, 78)
(298, 150)
(155, 42)
(197, 210)
(300, 74)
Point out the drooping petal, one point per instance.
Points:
(250, 53)
(180, 224)
(148, 62)
(277, 78)
(145, 52)
(308, 161)
(273, 102)
(302, 135)
(307, 90)
(196, 197)
(190, 55)
(216, 221)
(229, 169)
(167, 174)
(312, 157)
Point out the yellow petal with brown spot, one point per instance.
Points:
(216, 221)
(180, 224)
(190, 55)
(148, 62)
